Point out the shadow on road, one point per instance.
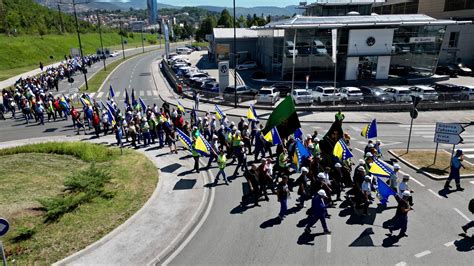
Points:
(390, 241)
(465, 244)
(307, 239)
(364, 239)
(270, 223)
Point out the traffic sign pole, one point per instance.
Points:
(409, 135)
(436, 153)
(4, 259)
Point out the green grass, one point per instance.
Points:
(201, 44)
(58, 170)
(23, 53)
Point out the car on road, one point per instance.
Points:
(448, 91)
(301, 96)
(244, 93)
(247, 65)
(427, 93)
(183, 50)
(399, 93)
(283, 88)
(268, 95)
(325, 94)
(462, 69)
(114, 54)
(467, 92)
(374, 95)
(447, 70)
(351, 95)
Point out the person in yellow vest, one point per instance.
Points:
(221, 163)
(339, 116)
(195, 155)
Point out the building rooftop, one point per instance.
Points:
(357, 20)
(226, 33)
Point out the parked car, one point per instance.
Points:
(198, 82)
(374, 95)
(301, 96)
(247, 65)
(183, 50)
(399, 94)
(211, 87)
(192, 77)
(243, 93)
(114, 54)
(290, 49)
(447, 70)
(283, 88)
(351, 94)
(427, 93)
(448, 91)
(268, 95)
(325, 94)
(462, 69)
(467, 92)
(319, 48)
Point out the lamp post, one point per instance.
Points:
(101, 43)
(143, 45)
(84, 71)
(121, 39)
(234, 48)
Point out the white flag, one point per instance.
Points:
(334, 45)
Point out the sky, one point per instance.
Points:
(226, 3)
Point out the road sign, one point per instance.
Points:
(449, 128)
(4, 226)
(223, 74)
(447, 138)
(414, 113)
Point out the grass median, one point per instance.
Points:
(61, 197)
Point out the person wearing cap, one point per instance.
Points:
(308, 141)
(304, 187)
(214, 151)
(393, 180)
(404, 187)
(221, 163)
(240, 125)
(145, 127)
(378, 149)
(318, 212)
(316, 150)
(336, 184)
(241, 155)
(264, 179)
(259, 148)
(456, 164)
(369, 146)
(401, 215)
(283, 193)
(366, 189)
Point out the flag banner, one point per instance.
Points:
(380, 168)
(370, 130)
(110, 107)
(299, 134)
(103, 105)
(251, 114)
(83, 101)
(384, 191)
(201, 146)
(301, 153)
(111, 92)
(219, 114)
(143, 105)
(341, 151)
(273, 137)
(134, 100)
(63, 103)
(89, 98)
(284, 118)
(111, 117)
(181, 108)
(187, 143)
(329, 140)
(127, 99)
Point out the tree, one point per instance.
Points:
(241, 22)
(225, 19)
(206, 27)
(13, 21)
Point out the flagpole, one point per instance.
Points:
(294, 59)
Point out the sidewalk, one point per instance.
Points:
(160, 225)
(425, 117)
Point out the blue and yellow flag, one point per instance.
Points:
(110, 117)
(181, 108)
(126, 101)
(370, 131)
(219, 114)
(64, 104)
(299, 134)
(384, 191)
(184, 139)
(380, 168)
(201, 146)
(301, 153)
(251, 114)
(341, 150)
(142, 104)
(273, 137)
(111, 92)
(84, 102)
(134, 100)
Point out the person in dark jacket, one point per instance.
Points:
(456, 164)
(318, 212)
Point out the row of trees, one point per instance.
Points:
(225, 20)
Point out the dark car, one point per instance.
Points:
(462, 69)
(283, 88)
(449, 70)
(374, 95)
(244, 93)
(448, 91)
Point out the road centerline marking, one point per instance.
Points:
(462, 214)
(401, 263)
(328, 244)
(434, 193)
(422, 254)
(448, 244)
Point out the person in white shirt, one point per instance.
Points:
(404, 187)
(393, 181)
(367, 191)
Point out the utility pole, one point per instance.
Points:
(61, 25)
(234, 48)
(121, 38)
(101, 43)
(84, 71)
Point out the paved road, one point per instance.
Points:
(230, 235)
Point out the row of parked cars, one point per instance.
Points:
(366, 94)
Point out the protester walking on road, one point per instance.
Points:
(401, 216)
(221, 162)
(318, 212)
(283, 193)
(456, 164)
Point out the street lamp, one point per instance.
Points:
(143, 45)
(101, 43)
(121, 39)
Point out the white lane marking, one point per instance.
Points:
(359, 150)
(155, 93)
(142, 93)
(418, 126)
(423, 132)
(328, 244)
(449, 244)
(434, 193)
(472, 182)
(470, 156)
(401, 263)
(117, 94)
(412, 178)
(462, 214)
(100, 94)
(148, 93)
(423, 253)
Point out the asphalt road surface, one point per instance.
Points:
(231, 235)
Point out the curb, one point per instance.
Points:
(433, 177)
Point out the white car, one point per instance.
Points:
(351, 94)
(183, 50)
(467, 92)
(425, 92)
(301, 96)
(247, 65)
(114, 54)
(268, 95)
(325, 94)
(399, 94)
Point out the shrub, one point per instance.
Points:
(23, 233)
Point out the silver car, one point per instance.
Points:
(351, 94)
(325, 94)
(268, 95)
(425, 92)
